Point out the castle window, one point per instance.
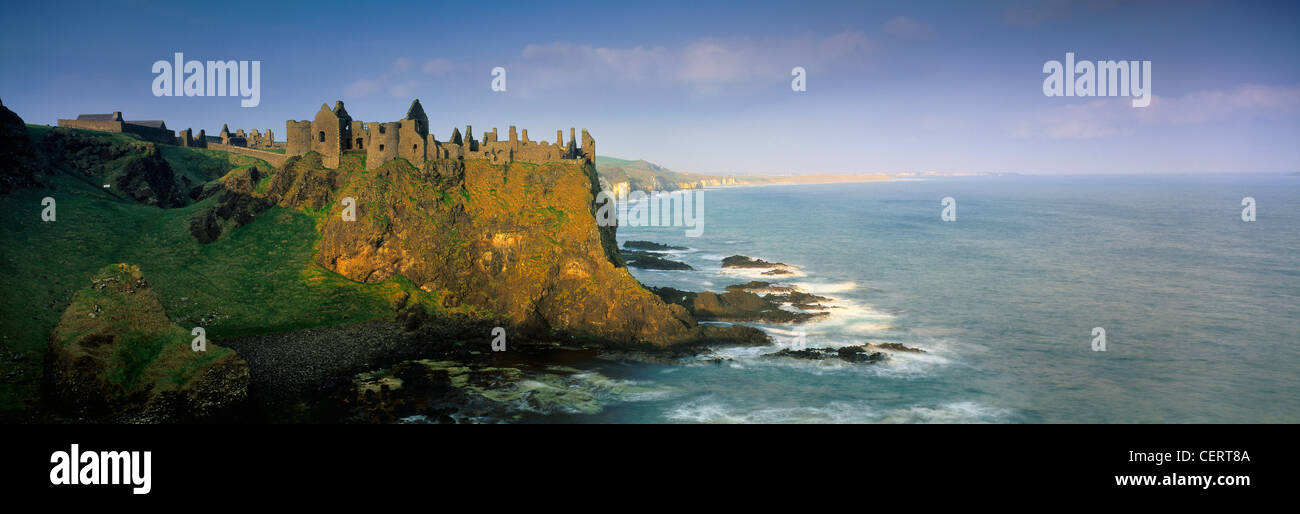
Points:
(415, 147)
(322, 136)
(359, 143)
(381, 147)
(381, 129)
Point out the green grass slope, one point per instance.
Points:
(259, 278)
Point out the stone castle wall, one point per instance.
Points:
(147, 133)
(381, 144)
(272, 158)
(333, 131)
(297, 137)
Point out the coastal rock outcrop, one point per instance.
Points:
(116, 357)
(651, 246)
(740, 303)
(741, 261)
(868, 353)
(852, 354)
(517, 240)
(652, 260)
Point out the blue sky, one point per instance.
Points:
(705, 87)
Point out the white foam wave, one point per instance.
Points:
(822, 288)
(757, 273)
(712, 410)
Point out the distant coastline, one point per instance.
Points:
(625, 175)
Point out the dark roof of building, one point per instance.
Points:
(149, 123)
(98, 117)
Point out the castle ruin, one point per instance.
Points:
(149, 130)
(333, 132)
(239, 138)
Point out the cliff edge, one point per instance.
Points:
(517, 240)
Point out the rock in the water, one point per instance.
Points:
(745, 306)
(651, 246)
(740, 261)
(897, 347)
(648, 260)
(742, 303)
(734, 335)
(853, 354)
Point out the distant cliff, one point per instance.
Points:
(623, 176)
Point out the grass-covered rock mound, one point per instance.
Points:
(115, 356)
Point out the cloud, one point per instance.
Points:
(1111, 117)
(400, 81)
(1254, 100)
(702, 66)
(1099, 118)
(363, 87)
(1037, 12)
(402, 89)
(908, 28)
(437, 66)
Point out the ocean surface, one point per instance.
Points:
(1201, 310)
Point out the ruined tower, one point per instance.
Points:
(297, 137)
(382, 145)
(413, 130)
(588, 147)
(331, 133)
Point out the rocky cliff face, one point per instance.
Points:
(134, 168)
(115, 357)
(518, 240)
(20, 164)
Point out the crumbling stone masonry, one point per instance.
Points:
(333, 132)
